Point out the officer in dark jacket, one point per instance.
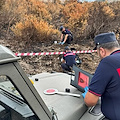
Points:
(66, 36)
(68, 59)
(106, 80)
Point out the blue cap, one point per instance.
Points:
(66, 48)
(104, 38)
(61, 28)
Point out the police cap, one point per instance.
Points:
(104, 38)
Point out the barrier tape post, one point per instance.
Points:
(52, 53)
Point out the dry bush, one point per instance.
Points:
(33, 31)
(116, 8)
(38, 9)
(1, 17)
(116, 23)
(88, 19)
(75, 17)
(30, 22)
(100, 17)
(35, 21)
(1, 3)
(56, 13)
(12, 10)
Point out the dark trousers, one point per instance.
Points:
(65, 67)
(69, 39)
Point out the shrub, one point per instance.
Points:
(100, 17)
(33, 25)
(36, 21)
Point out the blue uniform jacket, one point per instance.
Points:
(67, 32)
(69, 57)
(106, 83)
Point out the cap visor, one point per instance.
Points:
(95, 48)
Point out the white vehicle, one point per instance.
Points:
(22, 100)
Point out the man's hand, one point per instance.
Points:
(62, 43)
(59, 43)
(86, 90)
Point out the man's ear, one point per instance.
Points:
(102, 52)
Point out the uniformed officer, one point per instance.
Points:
(106, 80)
(68, 59)
(66, 36)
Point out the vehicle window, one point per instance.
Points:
(8, 87)
(12, 101)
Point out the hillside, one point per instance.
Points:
(37, 64)
(33, 26)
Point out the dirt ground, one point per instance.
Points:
(48, 63)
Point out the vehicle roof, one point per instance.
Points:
(66, 107)
(7, 55)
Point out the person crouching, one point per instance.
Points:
(68, 60)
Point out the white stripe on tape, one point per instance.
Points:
(52, 53)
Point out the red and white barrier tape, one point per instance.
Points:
(52, 53)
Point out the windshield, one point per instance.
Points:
(7, 87)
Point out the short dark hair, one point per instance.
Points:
(61, 28)
(66, 48)
(109, 45)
